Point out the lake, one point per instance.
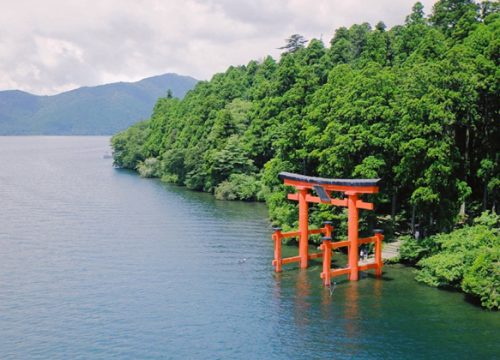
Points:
(96, 262)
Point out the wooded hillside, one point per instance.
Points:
(416, 105)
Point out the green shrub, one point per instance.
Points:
(281, 211)
(149, 168)
(238, 187)
(412, 250)
(225, 191)
(128, 149)
(442, 269)
(482, 279)
(489, 219)
(170, 178)
(466, 259)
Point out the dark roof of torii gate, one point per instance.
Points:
(325, 181)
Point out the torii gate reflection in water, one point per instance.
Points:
(323, 188)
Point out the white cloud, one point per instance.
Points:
(54, 45)
(52, 52)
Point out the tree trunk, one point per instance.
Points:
(466, 168)
(394, 203)
(413, 210)
(461, 213)
(431, 220)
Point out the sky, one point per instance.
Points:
(51, 46)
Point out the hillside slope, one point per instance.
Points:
(98, 110)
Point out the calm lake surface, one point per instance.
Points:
(97, 263)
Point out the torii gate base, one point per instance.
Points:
(323, 188)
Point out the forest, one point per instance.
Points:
(416, 105)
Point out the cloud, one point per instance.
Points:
(69, 43)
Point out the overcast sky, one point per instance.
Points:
(51, 46)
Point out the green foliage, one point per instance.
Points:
(239, 187)
(128, 146)
(412, 250)
(482, 279)
(442, 269)
(488, 219)
(466, 259)
(294, 43)
(149, 168)
(455, 17)
(416, 105)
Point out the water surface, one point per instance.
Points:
(98, 263)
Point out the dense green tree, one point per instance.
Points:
(294, 43)
(455, 17)
(417, 15)
(342, 49)
(128, 146)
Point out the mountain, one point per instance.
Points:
(96, 110)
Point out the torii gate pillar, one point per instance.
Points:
(303, 228)
(353, 234)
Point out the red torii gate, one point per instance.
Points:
(323, 187)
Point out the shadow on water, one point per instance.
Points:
(384, 277)
(474, 301)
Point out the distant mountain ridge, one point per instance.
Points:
(97, 110)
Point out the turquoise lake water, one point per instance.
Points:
(97, 263)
